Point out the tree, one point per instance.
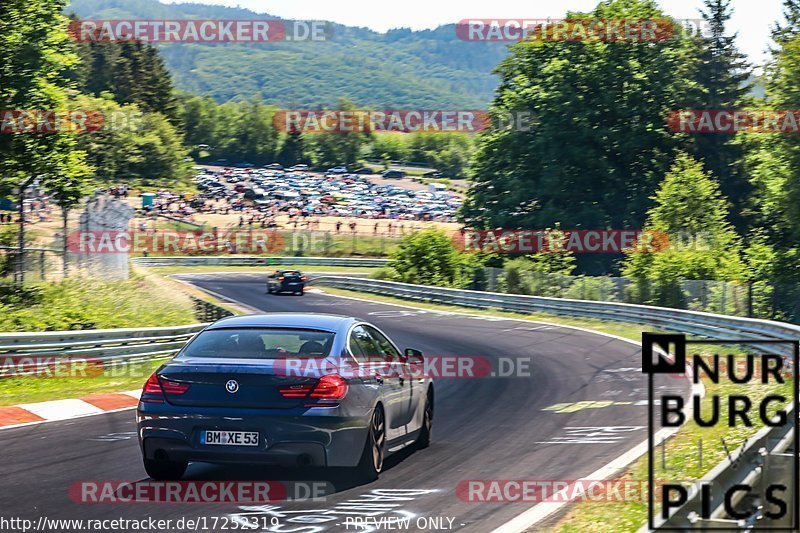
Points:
(791, 28)
(600, 144)
(338, 148)
(692, 212)
(133, 72)
(427, 257)
(773, 161)
(390, 146)
(66, 190)
(159, 95)
(34, 75)
(447, 152)
(720, 83)
(293, 149)
(256, 137)
(132, 144)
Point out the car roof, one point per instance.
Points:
(291, 320)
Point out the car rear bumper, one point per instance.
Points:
(290, 287)
(297, 437)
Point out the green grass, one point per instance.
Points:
(144, 301)
(33, 389)
(86, 303)
(82, 303)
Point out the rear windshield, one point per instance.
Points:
(260, 343)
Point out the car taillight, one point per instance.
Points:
(280, 278)
(152, 392)
(154, 389)
(330, 387)
(174, 387)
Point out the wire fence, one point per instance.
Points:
(36, 264)
(758, 299)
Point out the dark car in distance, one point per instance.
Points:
(230, 396)
(393, 174)
(286, 281)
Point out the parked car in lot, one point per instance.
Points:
(393, 174)
(286, 281)
(314, 194)
(274, 166)
(298, 168)
(337, 170)
(254, 193)
(230, 396)
(285, 195)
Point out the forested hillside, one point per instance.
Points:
(401, 69)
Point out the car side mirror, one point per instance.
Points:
(414, 356)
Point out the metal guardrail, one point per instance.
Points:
(207, 311)
(243, 260)
(692, 322)
(761, 457)
(109, 346)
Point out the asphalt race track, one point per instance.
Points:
(491, 428)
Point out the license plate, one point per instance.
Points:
(229, 438)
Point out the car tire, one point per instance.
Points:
(424, 438)
(374, 452)
(161, 470)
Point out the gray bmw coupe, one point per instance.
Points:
(285, 389)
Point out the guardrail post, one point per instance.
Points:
(778, 468)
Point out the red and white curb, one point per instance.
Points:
(95, 404)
